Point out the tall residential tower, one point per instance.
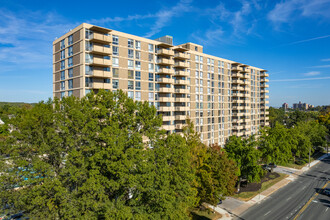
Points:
(222, 97)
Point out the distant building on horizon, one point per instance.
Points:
(285, 106)
(302, 106)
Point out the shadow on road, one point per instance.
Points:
(325, 202)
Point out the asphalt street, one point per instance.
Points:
(300, 199)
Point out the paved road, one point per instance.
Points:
(298, 200)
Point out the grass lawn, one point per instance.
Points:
(245, 196)
(198, 214)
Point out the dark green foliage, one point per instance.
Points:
(91, 159)
(246, 156)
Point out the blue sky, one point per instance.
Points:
(289, 38)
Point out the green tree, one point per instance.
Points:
(276, 144)
(99, 157)
(246, 156)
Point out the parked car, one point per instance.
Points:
(266, 167)
(272, 165)
(326, 191)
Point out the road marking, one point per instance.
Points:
(309, 201)
(304, 187)
(267, 213)
(288, 198)
(326, 209)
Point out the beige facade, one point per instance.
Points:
(222, 97)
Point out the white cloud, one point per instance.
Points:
(301, 79)
(325, 60)
(286, 11)
(26, 38)
(312, 73)
(163, 17)
(321, 66)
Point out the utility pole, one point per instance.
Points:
(309, 157)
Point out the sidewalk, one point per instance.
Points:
(234, 207)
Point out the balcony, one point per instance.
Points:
(238, 134)
(236, 68)
(168, 118)
(181, 82)
(238, 114)
(237, 88)
(166, 99)
(238, 107)
(264, 80)
(99, 73)
(101, 38)
(237, 94)
(264, 123)
(264, 91)
(181, 56)
(264, 74)
(181, 99)
(99, 62)
(165, 52)
(166, 71)
(166, 90)
(97, 85)
(237, 75)
(96, 49)
(238, 101)
(181, 73)
(165, 80)
(180, 117)
(181, 65)
(168, 127)
(164, 61)
(165, 108)
(181, 108)
(264, 96)
(262, 85)
(181, 91)
(179, 126)
(237, 81)
(237, 127)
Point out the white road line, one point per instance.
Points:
(304, 187)
(267, 213)
(327, 209)
(288, 198)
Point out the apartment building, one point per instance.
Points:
(222, 97)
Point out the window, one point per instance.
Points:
(62, 54)
(88, 82)
(115, 40)
(70, 40)
(196, 49)
(62, 44)
(115, 51)
(201, 59)
(115, 72)
(137, 65)
(88, 58)
(151, 96)
(63, 85)
(130, 74)
(130, 85)
(106, 57)
(137, 75)
(106, 69)
(138, 45)
(151, 48)
(130, 64)
(70, 93)
(70, 84)
(151, 67)
(115, 61)
(151, 77)
(106, 80)
(137, 85)
(151, 86)
(130, 94)
(70, 51)
(138, 96)
(70, 73)
(62, 94)
(130, 53)
(138, 55)
(62, 64)
(115, 83)
(62, 75)
(151, 57)
(130, 43)
(70, 62)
